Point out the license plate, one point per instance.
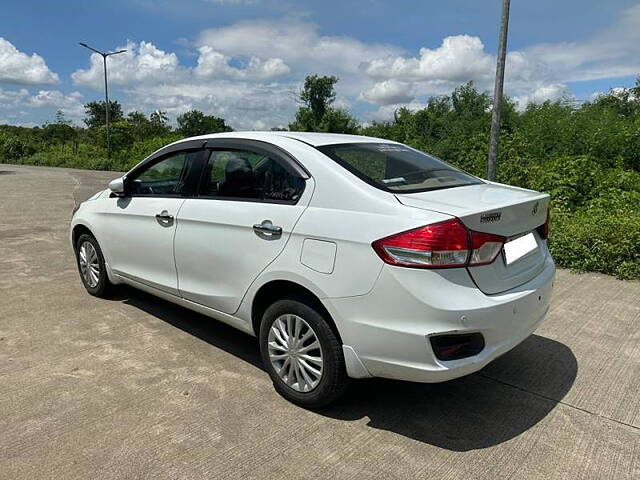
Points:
(519, 247)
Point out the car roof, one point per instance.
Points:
(311, 138)
(318, 139)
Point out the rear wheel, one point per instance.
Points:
(92, 267)
(302, 354)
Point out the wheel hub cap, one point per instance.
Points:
(295, 353)
(89, 264)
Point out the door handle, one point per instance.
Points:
(267, 228)
(164, 218)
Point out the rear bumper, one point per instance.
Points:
(386, 332)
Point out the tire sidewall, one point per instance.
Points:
(330, 346)
(103, 281)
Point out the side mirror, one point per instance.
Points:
(117, 186)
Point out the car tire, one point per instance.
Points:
(91, 267)
(297, 380)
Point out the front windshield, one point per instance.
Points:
(397, 168)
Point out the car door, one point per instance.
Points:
(249, 200)
(141, 224)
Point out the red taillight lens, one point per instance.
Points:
(439, 245)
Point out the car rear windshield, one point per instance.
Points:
(397, 168)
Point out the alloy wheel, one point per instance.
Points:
(89, 264)
(295, 353)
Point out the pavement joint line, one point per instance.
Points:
(561, 402)
(76, 187)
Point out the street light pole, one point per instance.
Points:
(497, 93)
(106, 106)
(106, 89)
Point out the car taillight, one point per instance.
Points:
(486, 247)
(439, 245)
(545, 228)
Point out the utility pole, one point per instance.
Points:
(497, 92)
(106, 89)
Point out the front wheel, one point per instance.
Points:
(91, 266)
(302, 354)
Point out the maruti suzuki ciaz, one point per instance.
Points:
(347, 256)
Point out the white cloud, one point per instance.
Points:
(553, 92)
(212, 64)
(292, 41)
(12, 98)
(458, 59)
(19, 68)
(145, 63)
(142, 62)
(70, 104)
(19, 106)
(240, 91)
(242, 105)
(534, 74)
(16, 121)
(389, 92)
(247, 72)
(300, 46)
(386, 112)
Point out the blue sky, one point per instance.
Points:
(245, 59)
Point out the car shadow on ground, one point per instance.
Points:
(481, 410)
(505, 399)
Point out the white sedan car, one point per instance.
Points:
(348, 256)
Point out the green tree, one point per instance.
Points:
(95, 113)
(316, 114)
(159, 123)
(121, 133)
(13, 148)
(154, 126)
(59, 132)
(318, 94)
(338, 120)
(159, 117)
(194, 122)
(140, 124)
(624, 101)
(61, 118)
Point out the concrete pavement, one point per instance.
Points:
(135, 387)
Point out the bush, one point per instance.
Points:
(597, 240)
(121, 136)
(595, 222)
(14, 148)
(54, 158)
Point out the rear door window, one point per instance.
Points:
(246, 175)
